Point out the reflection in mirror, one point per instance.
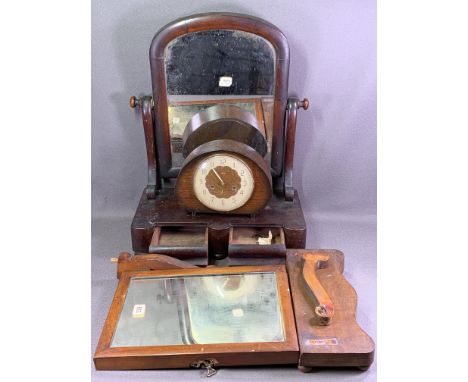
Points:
(232, 308)
(218, 66)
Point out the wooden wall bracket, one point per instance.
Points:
(293, 105)
(324, 309)
(147, 262)
(146, 104)
(342, 343)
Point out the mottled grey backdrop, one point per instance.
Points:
(333, 63)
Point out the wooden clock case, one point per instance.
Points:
(316, 304)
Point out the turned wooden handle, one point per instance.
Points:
(134, 102)
(304, 104)
(324, 310)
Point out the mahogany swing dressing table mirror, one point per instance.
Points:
(220, 276)
(220, 84)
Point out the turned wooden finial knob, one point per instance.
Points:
(134, 101)
(304, 104)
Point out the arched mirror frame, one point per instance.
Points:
(214, 21)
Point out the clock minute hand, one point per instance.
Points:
(222, 183)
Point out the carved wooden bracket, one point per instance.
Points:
(147, 262)
(324, 308)
(293, 105)
(146, 105)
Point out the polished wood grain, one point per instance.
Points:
(293, 105)
(210, 21)
(187, 243)
(183, 356)
(243, 244)
(145, 104)
(324, 308)
(166, 210)
(224, 122)
(147, 262)
(262, 178)
(342, 342)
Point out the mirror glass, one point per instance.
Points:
(208, 309)
(210, 67)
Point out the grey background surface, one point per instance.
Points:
(333, 63)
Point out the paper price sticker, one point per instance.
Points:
(225, 81)
(239, 312)
(323, 341)
(139, 311)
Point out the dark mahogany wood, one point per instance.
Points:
(165, 210)
(293, 105)
(183, 356)
(224, 122)
(340, 343)
(188, 243)
(209, 21)
(244, 243)
(260, 171)
(146, 106)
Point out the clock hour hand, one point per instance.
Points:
(222, 183)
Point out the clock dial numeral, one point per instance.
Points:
(223, 182)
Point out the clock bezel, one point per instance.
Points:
(262, 190)
(236, 157)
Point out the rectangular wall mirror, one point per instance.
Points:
(192, 313)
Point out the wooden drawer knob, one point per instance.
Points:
(304, 104)
(134, 102)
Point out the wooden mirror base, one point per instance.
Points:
(164, 211)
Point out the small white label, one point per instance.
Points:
(175, 120)
(225, 81)
(238, 312)
(139, 311)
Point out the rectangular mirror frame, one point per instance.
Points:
(182, 356)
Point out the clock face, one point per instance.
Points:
(223, 182)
